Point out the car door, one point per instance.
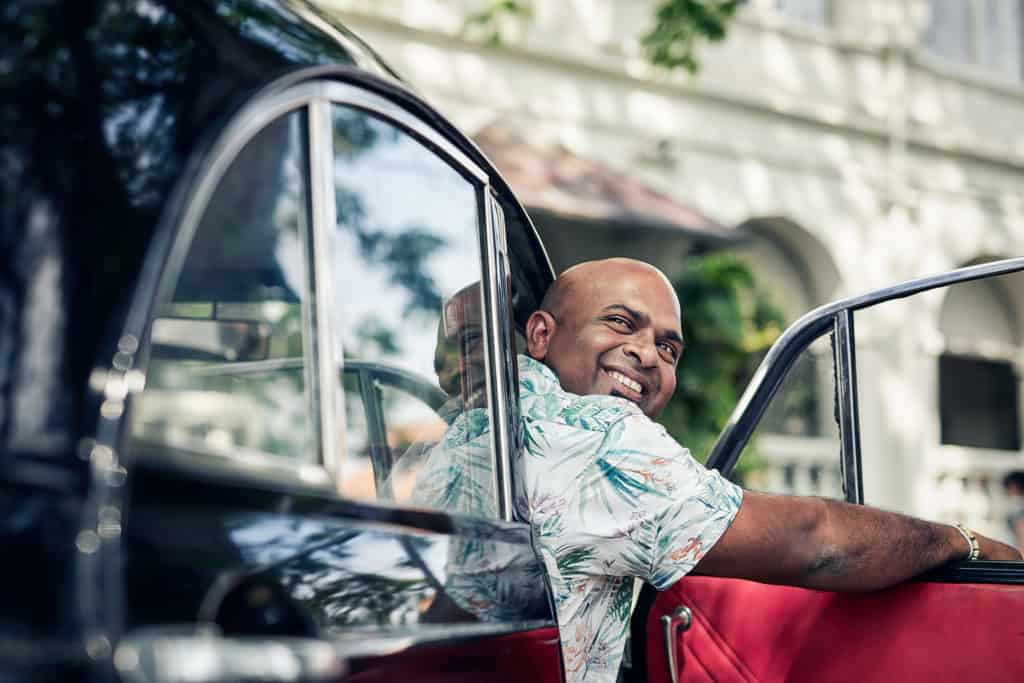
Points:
(955, 623)
(316, 467)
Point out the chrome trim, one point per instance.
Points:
(507, 360)
(205, 657)
(194, 458)
(672, 624)
(353, 96)
(247, 367)
(324, 219)
(497, 386)
(366, 643)
(310, 316)
(239, 132)
(844, 348)
(798, 337)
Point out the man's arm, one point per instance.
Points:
(829, 545)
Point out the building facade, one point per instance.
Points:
(850, 143)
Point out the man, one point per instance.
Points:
(611, 496)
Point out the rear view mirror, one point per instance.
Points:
(212, 340)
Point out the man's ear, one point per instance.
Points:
(539, 329)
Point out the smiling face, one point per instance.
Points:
(611, 327)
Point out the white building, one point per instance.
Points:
(861, 142)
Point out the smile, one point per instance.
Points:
(626, 382)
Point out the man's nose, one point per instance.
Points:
(643, 349)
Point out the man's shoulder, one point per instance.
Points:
(543, 399)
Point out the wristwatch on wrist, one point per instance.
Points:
(973, 548)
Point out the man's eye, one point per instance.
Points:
(619, 320)
(672, 352)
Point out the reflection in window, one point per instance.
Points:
(407, 268)
(795, 448)
(795, 409)
(229, 355)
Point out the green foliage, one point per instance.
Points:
(680, 25)
(728, 323)
(488, 21)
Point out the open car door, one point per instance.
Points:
(960, 622)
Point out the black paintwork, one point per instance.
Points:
(103, 105)
(108, 107)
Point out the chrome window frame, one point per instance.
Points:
(244, 126)
(315, 98)
(491, 245)
(838, 318)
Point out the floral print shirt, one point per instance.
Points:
(609, 496)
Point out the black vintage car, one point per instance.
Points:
(247, 277)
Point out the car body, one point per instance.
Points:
(249, 277)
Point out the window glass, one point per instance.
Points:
(407, 271)
(797, 408)
(939, 385)
(231, 352)
(795, 448)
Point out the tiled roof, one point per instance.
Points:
(556, 180)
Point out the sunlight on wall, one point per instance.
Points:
(778, 61)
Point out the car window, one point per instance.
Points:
(231, 352)
(406, 262)
(939, 378)
(795, 447)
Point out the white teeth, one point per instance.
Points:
(627, 382)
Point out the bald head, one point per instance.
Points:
(560, 293)
(611, 327)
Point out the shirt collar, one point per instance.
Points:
(539, 374)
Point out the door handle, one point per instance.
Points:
(671, 624)
(200, 656)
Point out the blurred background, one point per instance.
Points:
(771, 156)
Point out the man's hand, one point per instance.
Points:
(992, 549)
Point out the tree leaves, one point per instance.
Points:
(680, 25)
(728, 323)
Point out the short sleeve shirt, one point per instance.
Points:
(610, 496)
